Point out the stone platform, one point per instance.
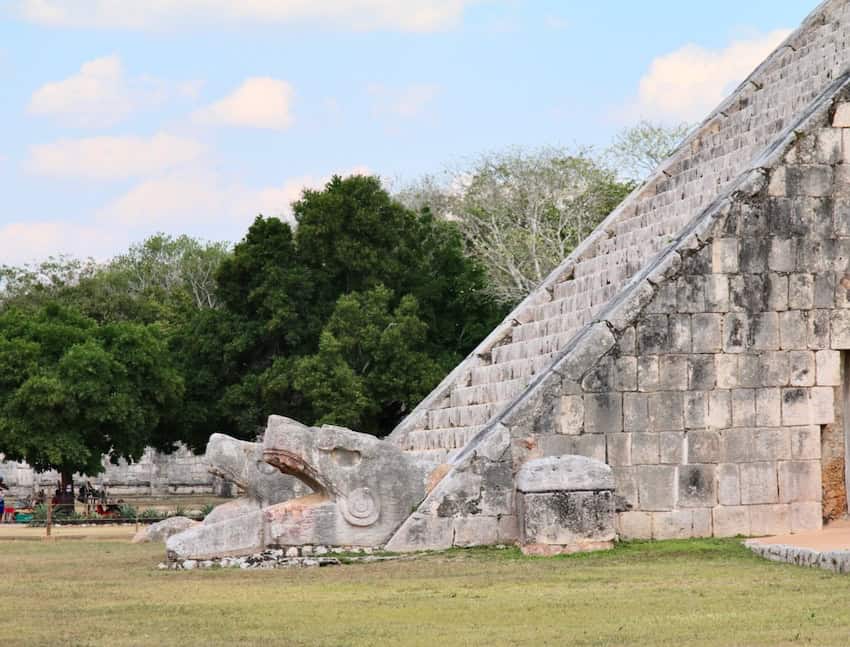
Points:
(828, 549)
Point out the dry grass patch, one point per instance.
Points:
(701, 592)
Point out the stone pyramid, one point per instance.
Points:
(694, 341)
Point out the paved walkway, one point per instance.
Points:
(834, 536)
(828, 548)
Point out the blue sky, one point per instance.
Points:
(120, 120)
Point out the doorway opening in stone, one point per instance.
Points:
(835, 450)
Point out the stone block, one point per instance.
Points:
(777, 292)
(717, 293)
(680, 333)
(748, 370)
(783, 254)
(719, 409)
(705, 333)
(697, 486)
(572, 414)
(735, 332)
(676, 524)
(764, 331)
(731, 521)
(724, 257)
(801, 365)
(701, 372)
(645, 448)
(702, 522)
(653, 335)
(626, 484)
(566, 522)
(648, 373)
(478, 530)
(603, 412)
(773, 367)
(666, 411)
(806, 516)
(619, 449)
(799, 481)
(758, 483)
(770, 520)
(703, 446)
(769, 444)
(839, 323)
(634, 525)
(671, 447)
(673, 372)
(805, 443)
(696, 409)
(823, 405)
(768, 408)
(828, 367)
(728, 484)
(656, 487)
(795, 407)
(801, 291)
(743, 408)
(726, 370)
(635, 412)
(690, 293)
(793, 330)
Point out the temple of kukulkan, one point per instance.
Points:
(697, 343)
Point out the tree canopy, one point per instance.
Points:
(72, 390)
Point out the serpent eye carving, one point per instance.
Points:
(345, 457)
(360, 508)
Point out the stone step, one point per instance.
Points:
(505, 371)
(432, 439)
(531, 348)
(465, 416)
(486, 393)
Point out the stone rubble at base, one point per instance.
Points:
(289, 557)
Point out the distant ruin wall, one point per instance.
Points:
(180, 472)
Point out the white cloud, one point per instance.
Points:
(100, 94)
(406, 102)
(257, 103)
(403, 15)
(112, 158)
(203, 198)
(23, 242)
(686, 84)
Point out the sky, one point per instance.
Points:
(119, 120)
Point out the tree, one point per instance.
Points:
(522, 213)
(157, 280)
(72, 389)
(637, 151)
(350, 317)
(370, 367)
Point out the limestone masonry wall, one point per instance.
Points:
(708, 161)
(180, 472)
(707, 382)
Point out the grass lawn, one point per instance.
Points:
(699, 592)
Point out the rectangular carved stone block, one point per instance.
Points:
(574, 521)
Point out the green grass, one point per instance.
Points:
(700, 592)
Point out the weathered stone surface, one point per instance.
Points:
(566, 522)
(162, 530)
(363, 488)
(568, 473)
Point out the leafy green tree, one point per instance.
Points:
(72, 389)
(370, 367)
(351, 316)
